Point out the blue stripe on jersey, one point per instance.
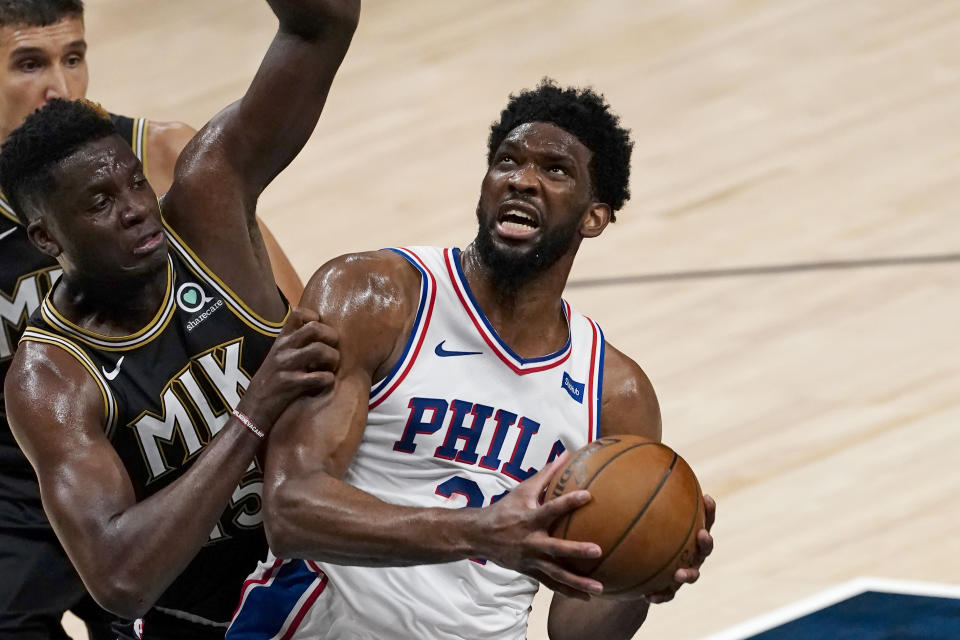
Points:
(416, 323)
(603, 346)
(268, 607)
(486, 323)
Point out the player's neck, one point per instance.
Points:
(115, 308)
(528, 317)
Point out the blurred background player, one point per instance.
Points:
(121, 474)
(43, 49)
(461, 375)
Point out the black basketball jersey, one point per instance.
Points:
(167, 390)
(26, 275)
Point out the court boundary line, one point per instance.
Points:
(831, 596)
(766, 270)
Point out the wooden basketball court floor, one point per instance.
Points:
(786, 271)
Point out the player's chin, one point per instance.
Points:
(146, 265)
(513, 250)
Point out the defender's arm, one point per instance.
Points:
(226, 166)
(310, 512)
(128, 552)
(165, 141)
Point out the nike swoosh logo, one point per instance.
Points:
(7, 232)
(444, 353)
(113, 374)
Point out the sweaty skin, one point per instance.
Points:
(128, 551)
(371, 299)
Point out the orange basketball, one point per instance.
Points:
(645, 511)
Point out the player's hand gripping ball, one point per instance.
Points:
(645, 511)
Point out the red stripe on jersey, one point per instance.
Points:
(249, 583)
(424, 323)
(298, 618)
(494, 346)
(592, 393)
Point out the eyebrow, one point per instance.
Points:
(25, 51)
(556, 156)
(103, 178)
(549, 155)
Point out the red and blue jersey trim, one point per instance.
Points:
(428, 295)
(595, 395)
(520, 366)
(273, 606)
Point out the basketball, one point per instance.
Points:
(645, 511)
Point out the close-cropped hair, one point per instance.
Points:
(38, 13)
(585, 114)
(46, 137)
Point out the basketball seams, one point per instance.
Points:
(636, 518)
(566, 527)
(686, 540)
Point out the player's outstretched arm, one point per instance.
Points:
(225, 167)
(310, 512)
(165, 141)
(630, 406)
(128, 552)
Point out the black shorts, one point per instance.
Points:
(37, 585)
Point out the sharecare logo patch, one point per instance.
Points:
(191, 298)
(194, 322)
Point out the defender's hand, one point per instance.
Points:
(301, 361)
(689, 575)
(513, 532)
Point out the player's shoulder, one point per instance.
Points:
(629, 401)
(381, 285)
(164, 142)
(53, 403)
(370, 298)
(382, 271)
(42, 373)
(169, 136)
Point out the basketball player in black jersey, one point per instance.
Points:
(43, 50)
(156, 327)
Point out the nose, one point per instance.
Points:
(56, 84)
(133, 214)
(524, 179)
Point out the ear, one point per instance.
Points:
(41, 238)
(595, 220)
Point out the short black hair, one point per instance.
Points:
(46, 137)
(38, 13)
(584, 113)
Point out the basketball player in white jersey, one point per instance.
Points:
(462, 374)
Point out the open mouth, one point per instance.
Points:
(147, 244)
(517, 223)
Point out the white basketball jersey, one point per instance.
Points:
(458, 422)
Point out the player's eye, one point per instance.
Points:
(139, 181)
(73, 60)
(558, 170)
(28, 65)
(506, 158)
(100, 203)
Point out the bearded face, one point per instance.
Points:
(532, 202)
